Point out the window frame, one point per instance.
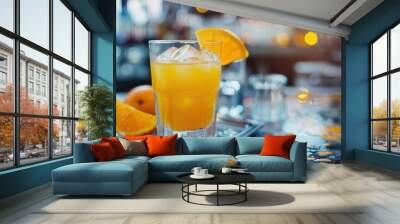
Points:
(388, 74)
(16, 114)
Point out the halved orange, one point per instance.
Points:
(232, 49)
(131, 121)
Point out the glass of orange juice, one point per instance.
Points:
(185, 76)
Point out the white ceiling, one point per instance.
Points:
(321, 9)
(327, 16)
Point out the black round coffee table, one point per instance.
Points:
(238, 179)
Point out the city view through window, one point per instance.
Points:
(38, 118)
(385, 82)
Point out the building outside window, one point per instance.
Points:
(34, 53)
(3, 61)
(44, 77)
(30, 72)
(3, 78)
(43, 90)
(30, 87)
(37, 74)
(38, 89)
(3, 72)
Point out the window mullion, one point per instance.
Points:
(389, 101)
(73, 81)
(16, 69)
(50, 81)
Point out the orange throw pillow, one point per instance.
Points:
(103, 152)
(277, 145)
(161, 145)
(116, 145)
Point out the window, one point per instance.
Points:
(62, 74)
(38, 74)
(44, 91)
(7, 14)
(35, 21)
(37, 89)
(30, 72)
(385, 94)
(30, 87)
(7, 88)
(81, 45)
(3, 78)
(33, 142)
(62, 137)
(3, 61)
(3, 72)
(6, 142)
(62, 29)
(81, 81)
(46, 73)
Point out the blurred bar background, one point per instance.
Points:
(290, 83)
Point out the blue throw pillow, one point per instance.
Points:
(208, 145)
(249, 145)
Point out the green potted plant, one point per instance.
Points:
(96, 103)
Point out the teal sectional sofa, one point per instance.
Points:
(125, 176)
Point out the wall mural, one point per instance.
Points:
(288, 83)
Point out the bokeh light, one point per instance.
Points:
(304, 96)
(201, 10)
(282, 39)
(311, 38)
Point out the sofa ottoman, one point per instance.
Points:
(118, 177)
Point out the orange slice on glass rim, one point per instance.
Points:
(232, 47)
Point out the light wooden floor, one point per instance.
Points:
(379, 189)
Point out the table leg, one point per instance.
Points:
(245, 193)
(195, 188)
(217, 194)
(188, 189)
(182, 189)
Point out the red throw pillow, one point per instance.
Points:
(161, 145)
(116, 145)
(277, 145)
(103, 152)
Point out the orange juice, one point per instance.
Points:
(186, 93)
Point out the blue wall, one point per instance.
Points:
(356, 84)
(99, 15)
(103, 64)
(24, 178)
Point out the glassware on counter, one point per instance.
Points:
(269, 99)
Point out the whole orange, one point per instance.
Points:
(142, 98)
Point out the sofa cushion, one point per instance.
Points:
(83, 152)
(116, 145)
(134, 147)
(210, 145)
(112, 171)
(161, 145)
(103, 152)
(249, 145)
(185, 163)
(275, 145)
(257, 163)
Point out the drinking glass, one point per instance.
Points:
(186, 76)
